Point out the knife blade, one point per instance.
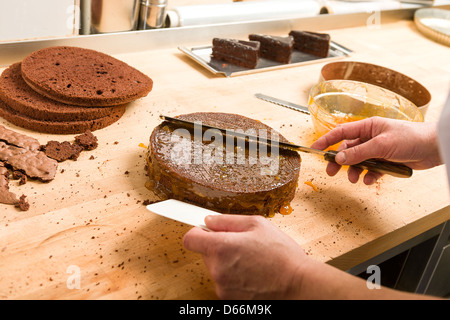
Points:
(182, 212)
(282, 103)
(385, 167)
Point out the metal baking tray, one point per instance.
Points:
(202, 55)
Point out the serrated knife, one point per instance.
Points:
(282, 103)
(380, 166)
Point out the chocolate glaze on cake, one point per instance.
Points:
(15, 92)
(317, 44)
(274, 48)
(238, 52)
(219, 177)
(83, 77)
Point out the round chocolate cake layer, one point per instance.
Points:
(15, 92)
(219, 173)
(83, 77)
(58, 127)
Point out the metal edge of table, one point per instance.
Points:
(125, 42)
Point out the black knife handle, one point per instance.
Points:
(386, 167)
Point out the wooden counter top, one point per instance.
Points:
(90, 221)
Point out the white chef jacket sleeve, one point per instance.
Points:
(444, 136)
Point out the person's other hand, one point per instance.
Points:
(411, 143)
(248, 257)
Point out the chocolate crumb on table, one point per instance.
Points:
(87, 140)
(61, 151)
(19, 175)
(23, 203)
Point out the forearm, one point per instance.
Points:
(322, 281)
(431, 139)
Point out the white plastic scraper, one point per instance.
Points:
(182, 212)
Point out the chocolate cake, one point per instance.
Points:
(274, 48)
(59, 127)
(238, 52)
(83, 77)
(15, 92)
(230, 178)
(317, 44)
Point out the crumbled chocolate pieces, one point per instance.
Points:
(18, 175)
(27, 158)
(23, 203)
(33, 163)
(62, 151)
(87, 140)
(18, 139)
(6, 196)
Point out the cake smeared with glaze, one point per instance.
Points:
(213, 173)
(238, 52)
(274, 48)
(317, 44)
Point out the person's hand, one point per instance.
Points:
(411, 143)
(248, 257)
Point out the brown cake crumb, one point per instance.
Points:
(23, 203)
(19, 175)
(87, 140)
(147, 202)
(61, 151)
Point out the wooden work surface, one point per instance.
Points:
(91, 218)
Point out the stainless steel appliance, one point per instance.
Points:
(104, 16)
